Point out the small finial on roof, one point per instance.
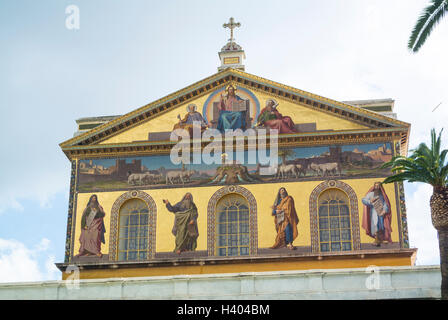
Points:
(231, 55)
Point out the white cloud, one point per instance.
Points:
(422, 234)
(42, 186)
(43, 245)
(51, 271)
(19, 263)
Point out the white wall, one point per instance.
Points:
(379, 283)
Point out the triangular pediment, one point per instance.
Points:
(308, 112)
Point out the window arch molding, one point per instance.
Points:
(353, 205)
(211, 217)
(115, 217)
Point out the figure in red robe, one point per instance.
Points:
(271, 118)
(92, 228)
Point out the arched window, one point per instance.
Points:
(232, 225)
(334, 221)
(134, 231)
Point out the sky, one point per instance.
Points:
(127, 54)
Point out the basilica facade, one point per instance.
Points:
(236, 173)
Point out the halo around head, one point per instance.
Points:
(191, 107)
(274, 103)
(231, 85)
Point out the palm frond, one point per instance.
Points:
(425, 164)
(428, 19)
(407, 176)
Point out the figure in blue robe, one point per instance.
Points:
(230, 120)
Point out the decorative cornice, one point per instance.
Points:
(287, 140)
(213, 260)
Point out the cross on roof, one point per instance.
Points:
(231, 25)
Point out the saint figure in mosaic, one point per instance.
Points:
(271, 118)
(286, 220)
(185, 227)
(376, 219)
(92, 228)
(192, 119)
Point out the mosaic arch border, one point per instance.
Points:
(115, 213)
(354, 215)
(211, 223)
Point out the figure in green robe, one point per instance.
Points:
(185, 227)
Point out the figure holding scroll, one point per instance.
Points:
(376, 218)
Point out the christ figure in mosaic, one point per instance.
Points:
(229, 119)
(185, 227)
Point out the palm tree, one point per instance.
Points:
(286, 153)
(428, 165)
(428, 19)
